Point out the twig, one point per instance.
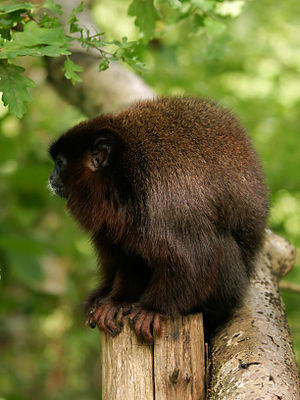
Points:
(292, 287)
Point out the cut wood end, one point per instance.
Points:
(280, 252)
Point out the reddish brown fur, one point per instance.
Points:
(178, 215)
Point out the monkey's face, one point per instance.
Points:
(92, 160)
(84, 166)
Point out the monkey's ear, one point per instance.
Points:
(99, 156)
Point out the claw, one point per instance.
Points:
(92, 323)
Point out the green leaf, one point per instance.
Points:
(15, 88)
(72, 20)
(146, 16)
(70, 69)
(9, 8)
(36, 41)
(103, 65)
(55, 8)
(75, 11)
(49, 22)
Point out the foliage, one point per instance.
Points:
(27, 29)
(15, 88)
(47, 264)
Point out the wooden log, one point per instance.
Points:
(179, 360)
(171, 369)
(127, 367)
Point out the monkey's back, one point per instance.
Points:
(192, 168)
(187, 148)
(184, 133)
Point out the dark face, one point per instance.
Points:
(79, 157)
(56, 180)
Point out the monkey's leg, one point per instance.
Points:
(213, 278)
(98, 295)
(128, 284)
(170, 292)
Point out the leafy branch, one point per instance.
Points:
(30, 30)
(27, 29)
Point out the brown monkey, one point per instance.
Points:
(173, 195)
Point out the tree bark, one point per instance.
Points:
(251, 357)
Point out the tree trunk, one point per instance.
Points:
(251, 357)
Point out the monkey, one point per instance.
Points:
(175, 200)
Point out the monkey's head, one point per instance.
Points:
(86, 162)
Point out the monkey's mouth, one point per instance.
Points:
(59, 190)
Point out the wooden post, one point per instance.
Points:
(171, 369)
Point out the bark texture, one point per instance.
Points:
(252, 356)
(105, 92)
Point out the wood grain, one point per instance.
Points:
(126, 367)
(171, 369)
(179, 360)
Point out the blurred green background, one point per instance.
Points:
(47, 263)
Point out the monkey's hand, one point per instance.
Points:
(108, 317)
(145, 323)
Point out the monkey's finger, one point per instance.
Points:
(101, 316)
(90, 318)
(110, 321)
(134, 314)
(138, 323)
(127, 309)
(146, 328)
(119, 318)
(156, 324)
(97, 313)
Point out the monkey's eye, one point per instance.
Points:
(60, 162)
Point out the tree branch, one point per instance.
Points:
(108, 91)
(290, 286)
(252, 355)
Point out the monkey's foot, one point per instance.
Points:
(108, 317)
(145, 324)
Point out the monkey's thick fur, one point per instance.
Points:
(177, 211)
